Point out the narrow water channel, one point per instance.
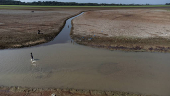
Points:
(64, 35)
(65, 64)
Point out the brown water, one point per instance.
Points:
(74, 66)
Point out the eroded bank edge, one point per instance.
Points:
(155, 44)
(25, 91)
(40, 39)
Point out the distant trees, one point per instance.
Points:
(55, 3)
(11, 2)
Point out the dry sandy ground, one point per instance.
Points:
(19, 25)
(19, 28)
(130, 23)
(137, 25)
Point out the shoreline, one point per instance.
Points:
(42, 39)
(115, 35)
(124, 44)
(28, 91)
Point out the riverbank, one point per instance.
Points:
(25, 91)
(125, 44)
(18, 28)
(19, 25)
(129, 30)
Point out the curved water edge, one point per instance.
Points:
(50, 40)
(64, 35)
(68, 65)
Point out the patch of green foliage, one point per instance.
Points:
(39, 6)
(4, 6)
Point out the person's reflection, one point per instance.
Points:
(72, 42)
(34, 67)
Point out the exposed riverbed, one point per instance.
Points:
(65, 64)
(130, 30)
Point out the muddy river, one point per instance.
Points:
(63, 64)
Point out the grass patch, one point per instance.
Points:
(5, 6)
(38, 7)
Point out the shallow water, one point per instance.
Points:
(64, 35)
(65, 64)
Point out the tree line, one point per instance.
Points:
(55, 3)
(9, 2)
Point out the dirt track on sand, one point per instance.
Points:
(131, 29)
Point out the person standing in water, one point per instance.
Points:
(31, 56)
(32, 59)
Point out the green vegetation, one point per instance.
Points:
(74, 4)
(7, 6)
(34, 7)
